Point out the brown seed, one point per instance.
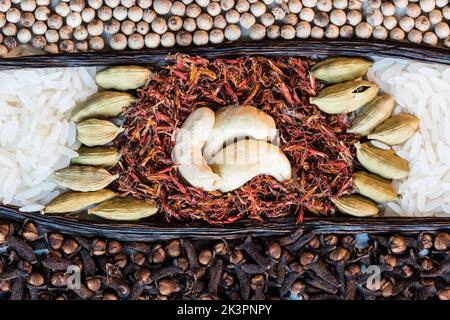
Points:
(204, 257)
(444, 294)
(426, 265)
(173, 248)
(36, 279)
(29, 232)
(387, 289)
(442, 241)
(114, 247)
(314, 243)
(138, 259)
(340, 254)
(120, 260)
(236, 257)
(297, 267)
(158, 255)
(257, 281)
(182, 263)
(26, 266)
(397, 244)
(275, 250)
(297, 288)
(330, 240)
(2, 266)
(93, 284)
(168, 286)
(426, 241)
(98, 248)
(228, 279)
(59, 279)
(354, 269)
(221, 248)
(4, 232)
(110, 296)
(143, 275)
(407, 271)
(5, 286)
(69, 246)
(55, 241)
(307, 258)
(60, 298)
(390, 260)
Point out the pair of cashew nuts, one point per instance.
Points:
(210, 155)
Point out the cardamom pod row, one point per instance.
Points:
(356, 205)
(384, 163)
(106, 104)
(95, 132)
(345, 97)
(83, 178)
(123, 77)
(106, 157)
(340, 69)
(396, 130)
(374, 187)
(124, 209)
(73, 201)
(372, 114)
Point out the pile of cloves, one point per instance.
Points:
(300, 266)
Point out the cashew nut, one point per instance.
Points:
(242, 161)
(189, 140)
(237, 122)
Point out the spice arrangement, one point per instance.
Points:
(300, 266)
(96, 25)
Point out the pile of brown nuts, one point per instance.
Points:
(300, 266)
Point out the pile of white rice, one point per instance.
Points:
(424, 90)
(36, 138)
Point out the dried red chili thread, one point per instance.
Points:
(321, 153)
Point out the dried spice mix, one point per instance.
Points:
(320, 152)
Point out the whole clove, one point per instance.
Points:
(22, 249)
(327, 266)
(29, 232)
(442, 241)
(56, 263)
(114, 247)
(98, 247)
(173, 248)
(69, 246)
(168, 286)
(204, 257)
(36, 279)
(215, 274)
(4, 232)
(55, 241)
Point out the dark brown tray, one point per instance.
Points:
(154, 229)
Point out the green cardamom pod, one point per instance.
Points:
(73, 201)
(382, 162)
(345, 97)
(374, 187)
(356, 205)
(95, 132)
(123, 77)
(84, 178)
(105, 104)
(372, 114)
(124, 209)
(340, 69)
(106, 157)
(396, 130)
